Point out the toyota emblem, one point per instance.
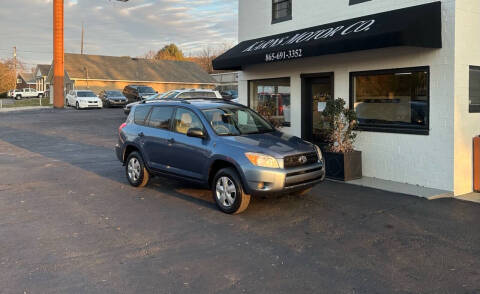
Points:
(302, 159)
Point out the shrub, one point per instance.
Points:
(340, 126)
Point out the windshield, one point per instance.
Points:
(234, 121)
(114, 93)
(86, 94)
(145, 90)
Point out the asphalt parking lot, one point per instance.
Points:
(70, 223)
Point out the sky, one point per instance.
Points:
(116, 28)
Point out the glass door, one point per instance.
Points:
(318, 90)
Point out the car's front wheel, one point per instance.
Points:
(228, 192)
(137, 173)
(77, 106)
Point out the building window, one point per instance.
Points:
(392, 100)
(353, 2)
(474, 89)
(271, 98)
(281, 10)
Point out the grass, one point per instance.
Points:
(26, 102)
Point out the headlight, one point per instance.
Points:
(319, 152)
(262, 160)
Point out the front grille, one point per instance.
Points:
(295, 160)
(92, 102)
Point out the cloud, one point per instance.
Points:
(118, 28)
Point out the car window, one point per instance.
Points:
(234, 121)
(171, 95)
(160, 117)
(204, 94)
(185, 119)
(141, 113)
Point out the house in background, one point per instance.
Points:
(25, 80)
(41, 73)
(97, 73)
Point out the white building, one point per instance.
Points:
(406, 66)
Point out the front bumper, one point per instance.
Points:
(117, 102)
(264, 181)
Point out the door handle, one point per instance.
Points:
(141, 134)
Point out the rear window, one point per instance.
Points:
(160, 118)
(141, 112)
(197, 95)
(85, 94)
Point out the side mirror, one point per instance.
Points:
(196, 133)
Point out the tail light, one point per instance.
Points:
(121, 127)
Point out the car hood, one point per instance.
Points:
(117, 97)
(276, 144)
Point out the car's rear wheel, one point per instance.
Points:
(137, 173)
(228, 193)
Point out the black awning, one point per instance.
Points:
(417, 26)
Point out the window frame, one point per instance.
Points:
(147, 119)
(392, 128)
(172, 122)
(289, 124)
(472, 108)
(353, 2)
(281, 19)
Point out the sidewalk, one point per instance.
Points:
(11, 109)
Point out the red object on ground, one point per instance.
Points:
(476, 164)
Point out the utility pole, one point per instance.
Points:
(83, 33)
(58, 57)
(15, 64)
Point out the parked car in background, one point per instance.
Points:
(26, 93)
(83, 99)
(112, 98)
(229, 94)
(225, 146)
(135, 93)
(177, 94)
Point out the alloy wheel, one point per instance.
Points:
(226, 191)
(134, 169)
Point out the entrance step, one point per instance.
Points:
(472, 197)
(391, 186)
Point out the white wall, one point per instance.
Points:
(422, 160)
(467, 125)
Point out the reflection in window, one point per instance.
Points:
(185, 120)
(392, 100)
(271, 99)
(160, 117)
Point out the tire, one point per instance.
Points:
(136, 172)
(40, 95)
(302, 192)
(77, 106)
(235, 201)
(18, 97)
(66, 103)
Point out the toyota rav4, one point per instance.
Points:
(223, 145)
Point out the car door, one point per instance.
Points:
(156, 136)
(190, 154)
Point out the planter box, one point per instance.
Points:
(343, 166)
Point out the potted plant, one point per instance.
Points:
(341, 160)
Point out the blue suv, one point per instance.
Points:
(223, 145)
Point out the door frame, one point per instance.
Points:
(306, 102)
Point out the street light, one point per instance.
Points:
(58, 53)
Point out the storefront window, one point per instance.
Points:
(392, 100)
(474, 89)
(271, 98)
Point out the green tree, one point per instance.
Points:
(170, 52)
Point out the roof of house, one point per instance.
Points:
(27, 77)
(133, 69)
(44, 69)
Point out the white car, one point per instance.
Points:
(83, 99)
(25, 93)
(178, 94)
